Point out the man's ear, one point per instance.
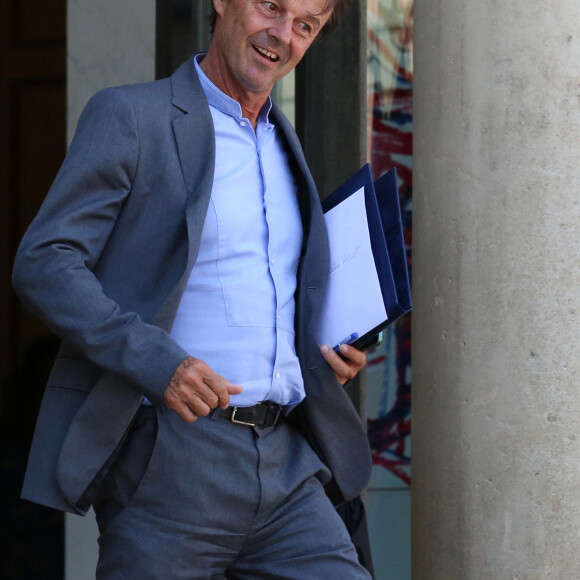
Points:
(219, 6)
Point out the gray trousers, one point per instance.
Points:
(213, 499)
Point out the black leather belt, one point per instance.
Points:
(264, 414)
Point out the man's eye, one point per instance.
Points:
(305, 28)
(271, 6)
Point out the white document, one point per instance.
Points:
(353, 302)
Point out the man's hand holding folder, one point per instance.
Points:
(345, 365)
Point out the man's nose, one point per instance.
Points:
(282, 29)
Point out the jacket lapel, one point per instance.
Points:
(315, 253)
(195, 138)
(313, 267)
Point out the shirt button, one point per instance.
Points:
(277, 375)
(242, 123)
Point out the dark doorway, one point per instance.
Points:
(32, 147)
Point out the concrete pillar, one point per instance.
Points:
(496, 280)
(109, 42)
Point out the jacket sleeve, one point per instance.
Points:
(53, 271)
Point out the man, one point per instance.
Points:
(181, 255)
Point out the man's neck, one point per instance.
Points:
(250, 103)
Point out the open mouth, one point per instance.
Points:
(266, 53)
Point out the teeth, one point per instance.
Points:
(267, 53)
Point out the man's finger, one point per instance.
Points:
(337, 364)
(223, 389)
(184, 412)
(196, 385)
(354, 355)
(344, 368)
(198, 406)
(202, 377)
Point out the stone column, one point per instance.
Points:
(496, 280)
(109, 42)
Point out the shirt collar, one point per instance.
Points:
(222, 102)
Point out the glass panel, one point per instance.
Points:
(284, 95)
(389, 519)
(182, 29)
(390, 144)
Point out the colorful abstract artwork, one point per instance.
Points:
(390, 144)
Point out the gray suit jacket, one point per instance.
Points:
(104, 264)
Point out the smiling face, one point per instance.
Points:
(255, 43)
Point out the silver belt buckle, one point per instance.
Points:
(234, 420)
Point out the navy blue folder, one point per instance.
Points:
(387, 243)
(389, 204)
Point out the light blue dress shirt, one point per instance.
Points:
(237, 312)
